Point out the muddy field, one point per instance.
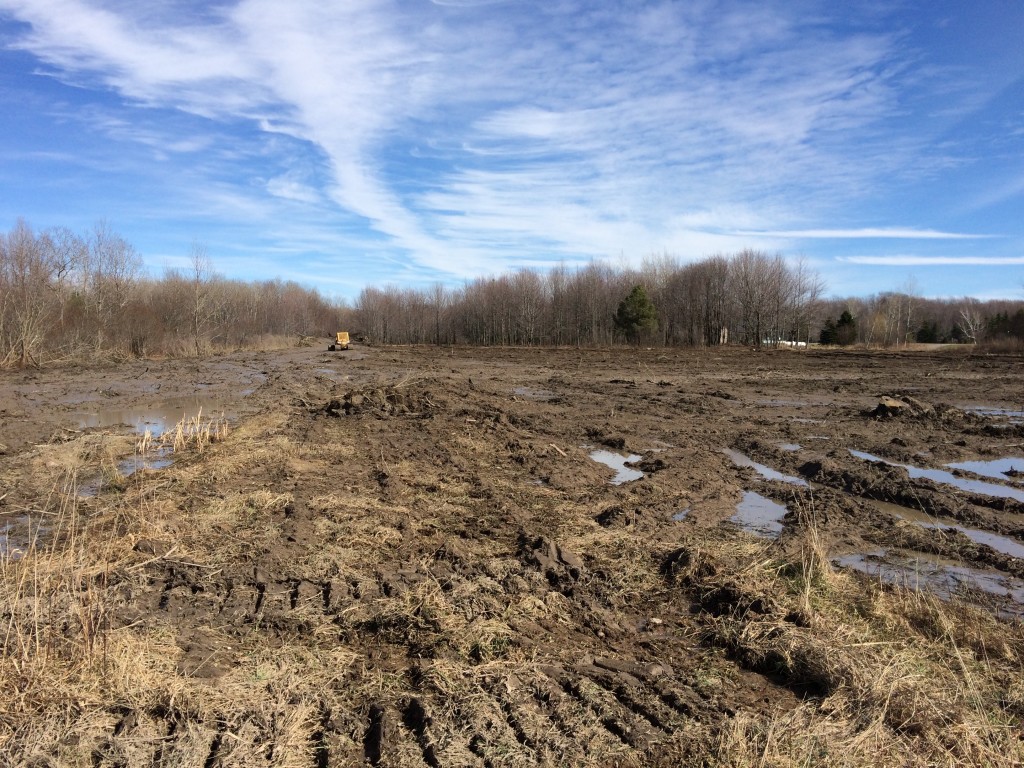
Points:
(491, 557)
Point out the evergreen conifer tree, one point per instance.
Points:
(636, 315)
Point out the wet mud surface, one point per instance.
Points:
(436, 519)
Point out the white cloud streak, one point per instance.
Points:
(478, 135)
(907, 260)
(868, 233)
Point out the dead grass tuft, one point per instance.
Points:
(195, 433)
(898, 671)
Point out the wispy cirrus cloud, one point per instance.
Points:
(910, 260)
(290, 188)
(994, 194)
(476, 135)
(867, 233)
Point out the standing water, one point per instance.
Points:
(618, 462)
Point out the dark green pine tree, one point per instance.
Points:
(846, 329)
(636, 315)
(828, 333)
(928, 333)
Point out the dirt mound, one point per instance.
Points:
(901, 406)
(907, 407)
(381, 403)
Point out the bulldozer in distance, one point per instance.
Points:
(341, 343)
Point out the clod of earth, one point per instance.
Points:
(903, 406)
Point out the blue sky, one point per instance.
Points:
(407, 142)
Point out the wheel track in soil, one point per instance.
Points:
(592, 691)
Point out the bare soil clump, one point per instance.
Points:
(408, 557)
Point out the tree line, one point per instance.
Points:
(65, 295)
(750, 297)
(899, 318)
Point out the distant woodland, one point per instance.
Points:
(70, 296)
(750, 298)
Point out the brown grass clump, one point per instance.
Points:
(802, 737)
(194, 433)
(893, 672)
(83, 682)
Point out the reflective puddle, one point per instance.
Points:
(937, 575)
(741, 460)
(999, 543)
(760, 515)
(1000, 469)
(617, 462)
(983, 410)
(154, 459)
(9, 547)
(158, 459)
(156, 418)
(17, 535)
(163, 428)
(681, 514)
(790, 447)
(948, 478)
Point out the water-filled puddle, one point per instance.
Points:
(17, 535)
(999, 543)
(740, 460)
(983, 410)
(1000, 469)
(9, 545)
(158, 459)
(163, 428)
(934, 574)
(681, 515)
(948, 478)
(759, 515)
(617, 461)
(790, 447)
(157, 419)
(153, 459)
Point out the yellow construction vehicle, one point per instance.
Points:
(341, 342)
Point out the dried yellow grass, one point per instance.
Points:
(195, 433)
(894, 677)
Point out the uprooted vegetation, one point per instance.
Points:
(423, 568)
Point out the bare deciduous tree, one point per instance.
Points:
(201, 306)
(28, 308)
(971, 322)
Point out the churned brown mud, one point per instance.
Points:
(412, 556)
